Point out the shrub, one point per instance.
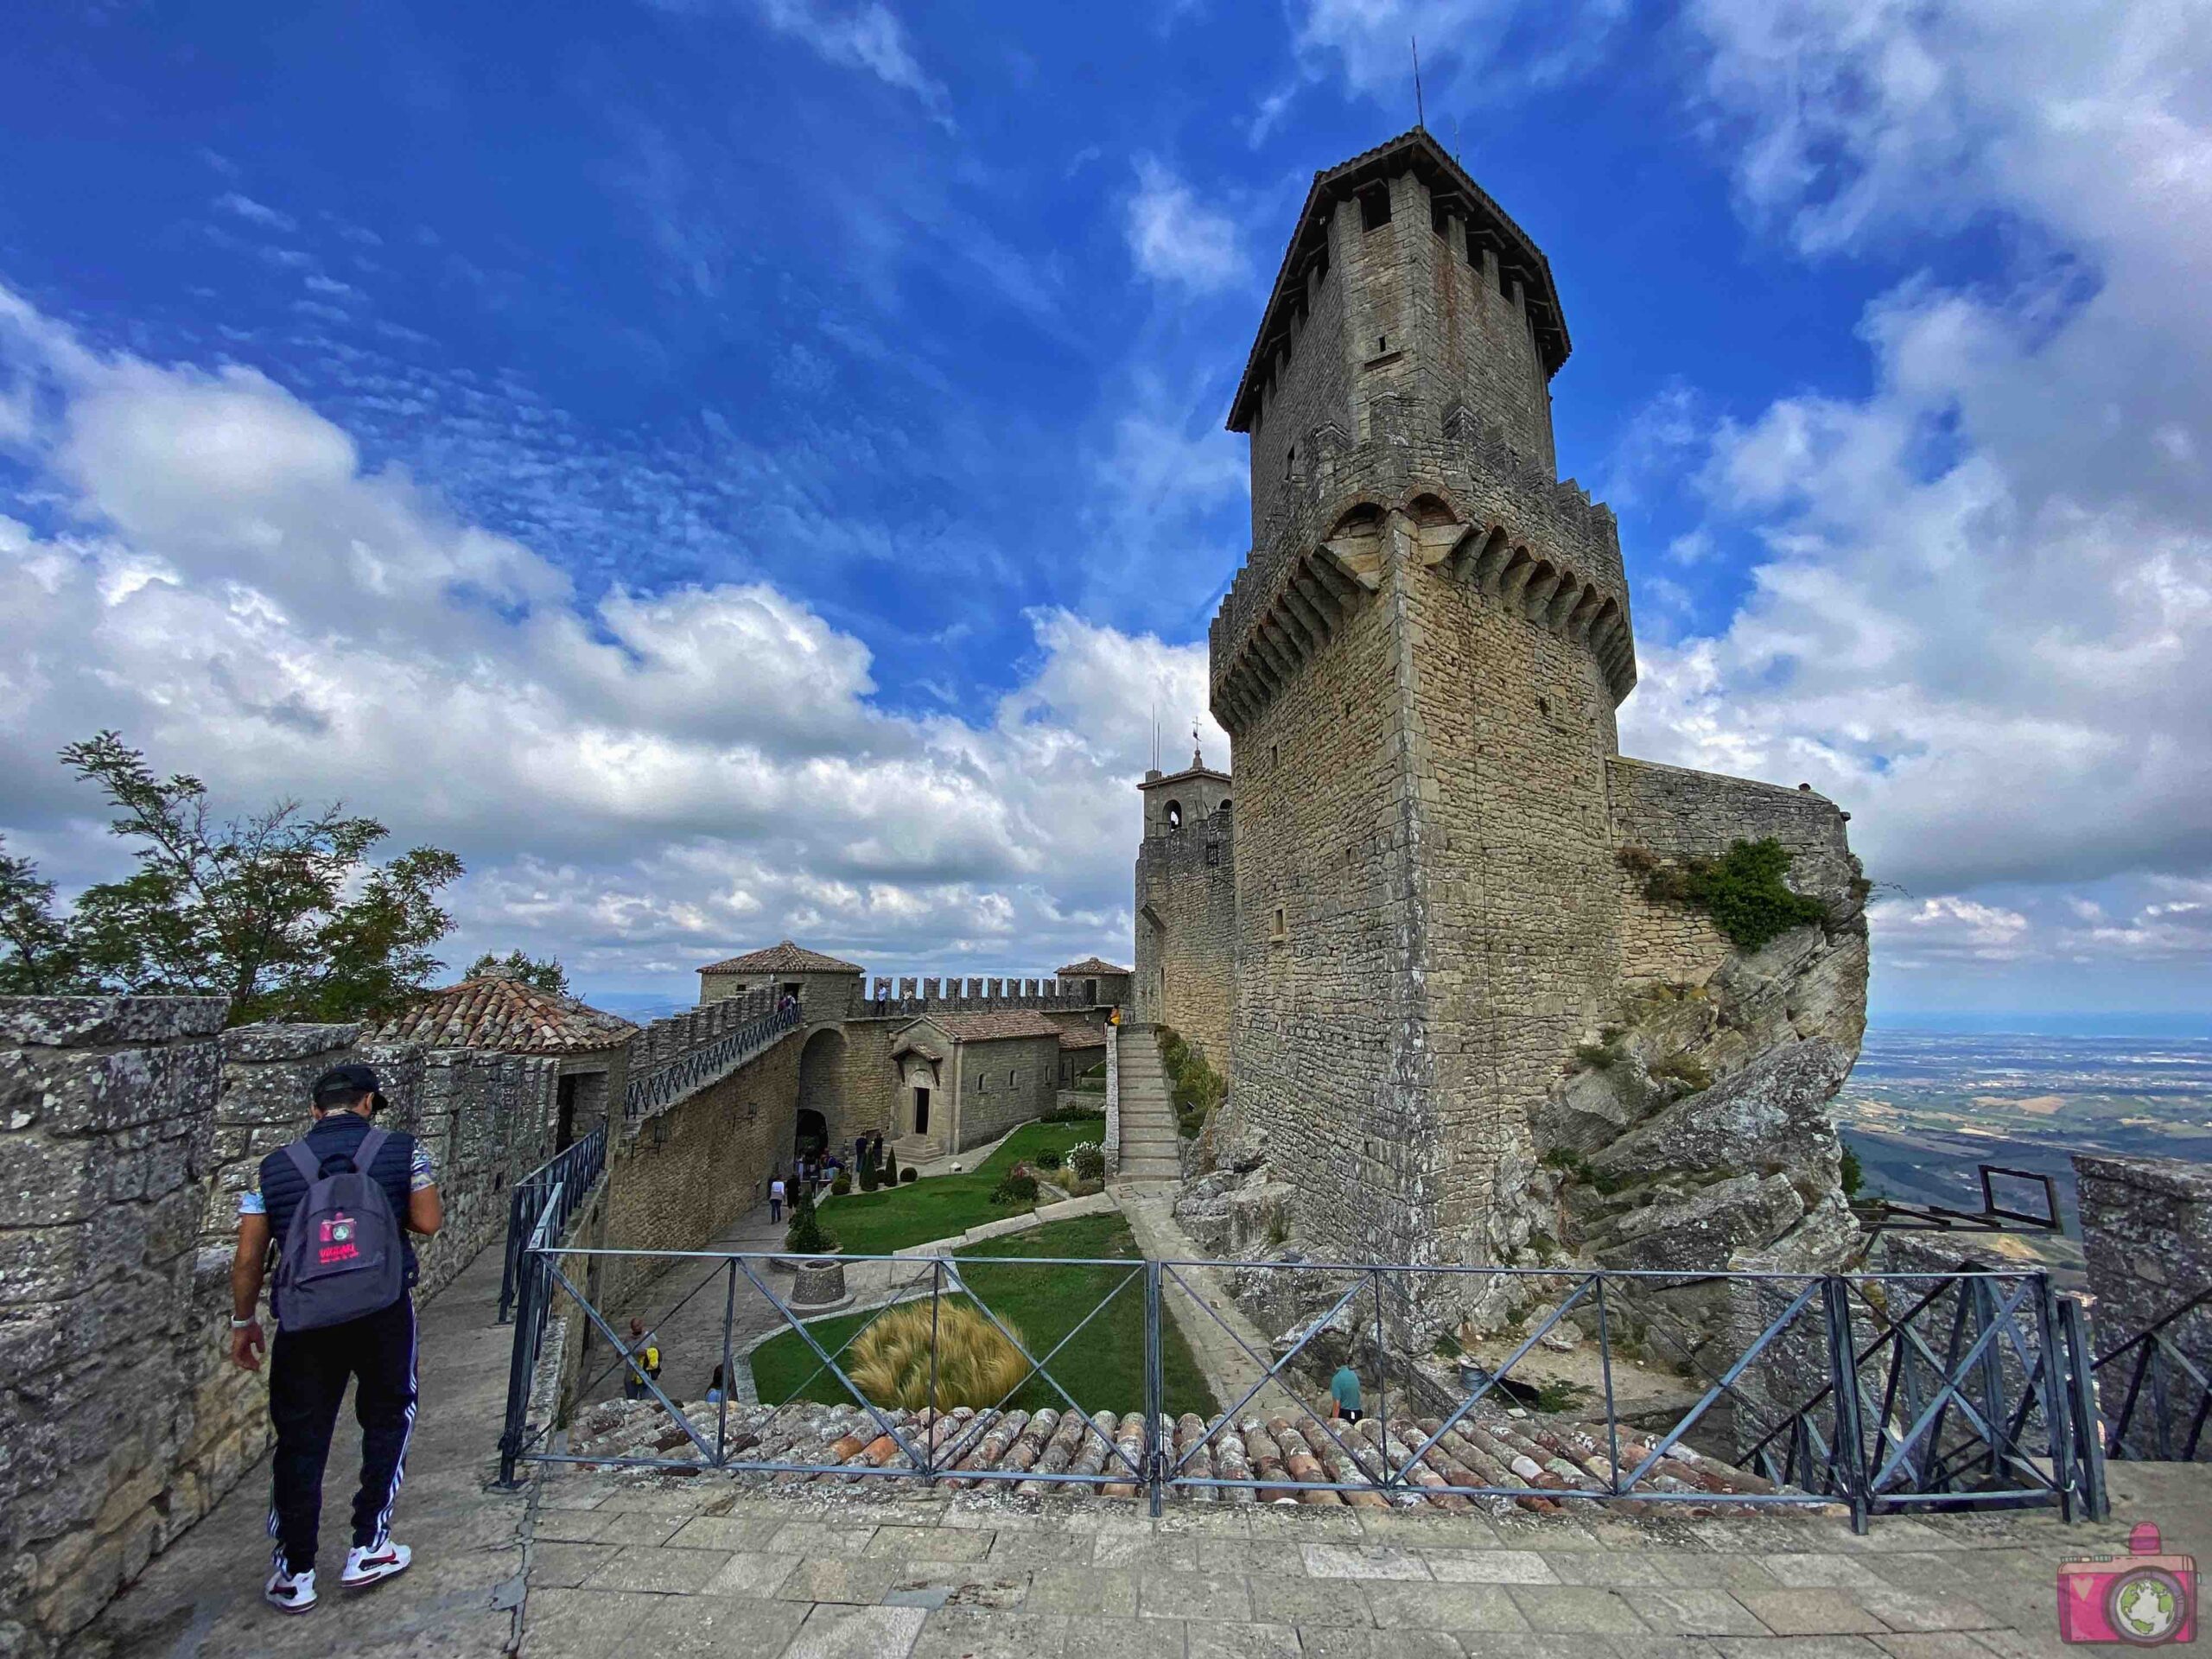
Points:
(975, 1366)
(1194, 1087)
(1018, 1187)
(1741, 890)
(1077, 1114)
(841, 1185)
(806, 1236)
(1853, 1176)
(869, 1179)
(1048, 1158)
(1087, 1161)
(1683, 1069)
(909, 1173)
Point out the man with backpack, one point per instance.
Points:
(336, 1206)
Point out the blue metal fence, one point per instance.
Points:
(1879, 1393)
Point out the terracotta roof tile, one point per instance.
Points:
(507, 1014)
(783, 958)
(993, 1025)
(1082, 1037)
(1091, 965)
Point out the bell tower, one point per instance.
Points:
(1419, 664)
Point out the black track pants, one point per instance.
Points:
(307, 1372)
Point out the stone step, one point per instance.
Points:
(1150, 1169)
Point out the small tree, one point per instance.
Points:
(543, 972)
(806, 1236)
(282, 912)
(35, 957)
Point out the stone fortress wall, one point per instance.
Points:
(131, 1125)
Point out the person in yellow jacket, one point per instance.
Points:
(645, 1362)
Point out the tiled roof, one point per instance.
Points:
(783, 958)
(994, 1025)
(1285, 1458)
(1082, 1037)
(507, 1014)
(1091, 965)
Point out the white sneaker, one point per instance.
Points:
(290, 1592)
(366, 1567)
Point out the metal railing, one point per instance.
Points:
(709, 1062)
(2164, 1397)
(1876, 1393)
(563, 1182)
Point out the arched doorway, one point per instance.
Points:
(821, 1084)
(811, 1136)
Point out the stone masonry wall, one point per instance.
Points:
(687, 1174)
(1186, 932)
(108, 1106)
(1319, 1017)
(1004, 1084)
(2146, 1230)
(1312, 388)
(1675, 813)
(133, 1125)
(1512, 728)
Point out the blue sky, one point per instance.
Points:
(760, 461)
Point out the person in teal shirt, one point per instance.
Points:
(1343, 1395)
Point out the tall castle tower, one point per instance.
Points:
(1186, 906)
(1419, 664)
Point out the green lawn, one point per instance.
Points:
(942, 1206)
(1102, 1367)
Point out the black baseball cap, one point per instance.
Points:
(348, 1083)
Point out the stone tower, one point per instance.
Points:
(1419, 665)
(1186, 906)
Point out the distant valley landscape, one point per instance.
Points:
(1925, 1107)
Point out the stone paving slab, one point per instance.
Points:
(931, 1575)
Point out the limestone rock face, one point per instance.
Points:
(1704, 1139)
(1231, 1213)
(1772, 1115)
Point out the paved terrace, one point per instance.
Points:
(591, 1566)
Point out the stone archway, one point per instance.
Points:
(822, 1084)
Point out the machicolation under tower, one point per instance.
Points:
(1420, 663)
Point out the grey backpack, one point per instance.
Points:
(342, 1257)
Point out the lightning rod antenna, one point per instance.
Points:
(1421, 113)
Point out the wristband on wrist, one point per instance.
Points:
(242, 1325)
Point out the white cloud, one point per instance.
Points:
(1472, 52)
(869, 36)
(254, 213)
(1982, 620)
(1176, 238)
(638, 783)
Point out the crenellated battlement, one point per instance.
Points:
(957, 995)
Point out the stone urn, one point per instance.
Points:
(820, 1286)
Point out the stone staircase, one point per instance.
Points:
(914, 1150)
(1148, 1139)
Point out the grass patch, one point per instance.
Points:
(876, 1223)
(1102, 1367)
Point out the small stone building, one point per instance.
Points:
(498, 1011)
(1103, 984)
(827, 986)
(967, 1078)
